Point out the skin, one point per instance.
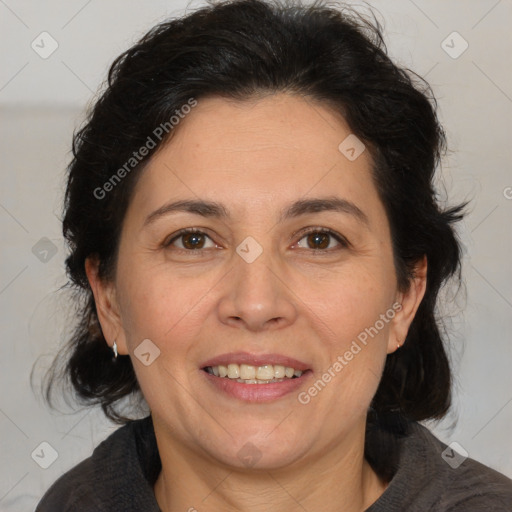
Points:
(257, 157)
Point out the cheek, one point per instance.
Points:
(351, 313)
(350, 301)
(161, 307)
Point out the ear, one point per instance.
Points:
(410, 301)
(106, 305)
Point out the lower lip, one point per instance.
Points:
(256, 392)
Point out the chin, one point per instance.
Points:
(260, 451)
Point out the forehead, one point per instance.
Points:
(264, 152)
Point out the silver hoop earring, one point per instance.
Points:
(114, 349)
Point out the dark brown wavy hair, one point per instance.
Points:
(240, 50)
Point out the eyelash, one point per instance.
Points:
(341, 240)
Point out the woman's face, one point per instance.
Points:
(293, 267)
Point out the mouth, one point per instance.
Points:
(255, 378)
(249, 374)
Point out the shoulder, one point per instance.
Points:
(72, 492)
(474, 487)
(458, 483)
(88, 485)
(426, 474)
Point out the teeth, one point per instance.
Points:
(255, 381)
(265, 372)
(247, 372)
(233, 371)
(254, 374)
(279, 371)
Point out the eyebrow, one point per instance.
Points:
(296, 209)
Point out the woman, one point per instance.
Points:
(251, 217)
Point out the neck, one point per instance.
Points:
(339, 478)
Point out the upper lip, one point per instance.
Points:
(255, 360)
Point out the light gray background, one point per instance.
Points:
(41, 102)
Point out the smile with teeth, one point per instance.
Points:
(248, 374)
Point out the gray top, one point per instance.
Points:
(120, 474)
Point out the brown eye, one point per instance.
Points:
(193, 241)
(318, 241)
(322, 239)
(190, 240)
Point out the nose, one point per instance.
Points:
(257, 296)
